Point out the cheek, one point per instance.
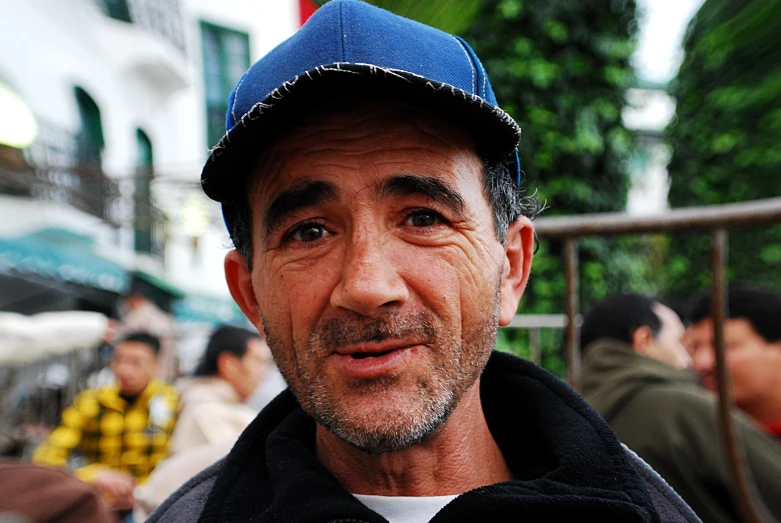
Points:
(292, 299)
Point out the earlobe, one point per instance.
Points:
(640, 339)
(518, 251)
(239, 282)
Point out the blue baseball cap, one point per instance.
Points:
(350, 48)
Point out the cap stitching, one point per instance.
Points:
(236, 96)
(468, 59)
(277, 94)
(342, 34)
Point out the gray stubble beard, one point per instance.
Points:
(440, 392)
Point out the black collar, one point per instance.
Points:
(567, 463)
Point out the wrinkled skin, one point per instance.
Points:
(360, 259)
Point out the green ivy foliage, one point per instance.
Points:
(726, 136)
(451, 16)
(561, 68)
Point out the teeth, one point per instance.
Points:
(364, 355)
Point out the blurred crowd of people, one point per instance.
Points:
(140, 431)
(648, 370)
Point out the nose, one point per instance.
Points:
(703, 359)
(370, 281)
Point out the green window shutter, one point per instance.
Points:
(91, 141)
(117, 9)
(225, 58)
(142, 201)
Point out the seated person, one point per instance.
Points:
(114, 437)
(213, 411)
(752, 334)
(212, 406)
(635, 376)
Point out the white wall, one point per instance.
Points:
(268, 23)
(648, 111)
(138, 80)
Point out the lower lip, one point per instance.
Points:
(374, 366)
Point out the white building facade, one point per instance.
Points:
(128, 97)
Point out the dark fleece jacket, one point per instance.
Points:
(567, 462)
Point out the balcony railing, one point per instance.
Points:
(83, 187)
(161, 17)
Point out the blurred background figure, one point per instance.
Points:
(213, 411)
(53, 338)
(635, 376)
(752, 334)
(213, 401)
(114, 437)
(140, 313)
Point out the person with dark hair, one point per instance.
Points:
(212, 402)
(114, 437)
(635, 375)
(141, 313)
(213, 411)
(752, 335)
(372, 188)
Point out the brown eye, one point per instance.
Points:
(309, 233)
(423, 219)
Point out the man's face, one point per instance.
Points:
(668, 344)
(377, 273)
(751, 360)
(250, 368)
(134, 365)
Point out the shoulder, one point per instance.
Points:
(670, 506)
(160, 388)
(667, 420)
(89, 395)
(186, 504)
(88, 401)
(685, 402)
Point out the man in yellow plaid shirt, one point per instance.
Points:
(114, 437)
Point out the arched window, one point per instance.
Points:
(90, 140)
(143, 222)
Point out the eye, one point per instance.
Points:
(308, 232)
(423, 218)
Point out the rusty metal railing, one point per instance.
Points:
(716, 219)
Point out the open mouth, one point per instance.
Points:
(364, 355)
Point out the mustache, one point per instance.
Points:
(355, 328)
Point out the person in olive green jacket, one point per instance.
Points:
(635, 375)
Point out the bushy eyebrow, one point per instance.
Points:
(430, 187)
(305, 194)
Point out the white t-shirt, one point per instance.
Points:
(405, 509)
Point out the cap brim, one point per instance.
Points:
(224, 175)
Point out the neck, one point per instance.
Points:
(462, 455)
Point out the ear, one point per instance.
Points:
(240, 286)
(226, 365)
(641, 338)
(518, 254)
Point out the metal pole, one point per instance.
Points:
(573, 291)
(745, 490)
(534, 345)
